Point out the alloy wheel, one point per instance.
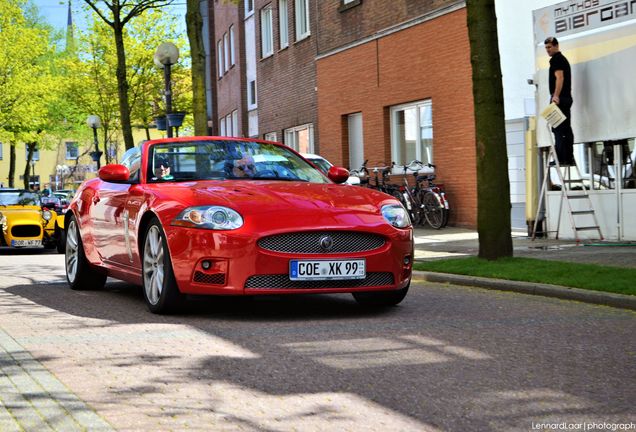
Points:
(153, 263)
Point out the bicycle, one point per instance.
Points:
(431, 198)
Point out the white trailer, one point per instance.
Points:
(598, 37)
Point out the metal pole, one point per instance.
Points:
(96, 147)
(166, 75)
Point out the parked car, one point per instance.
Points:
(54, 235)
(22, 219)
(234, 216)
(323, 165)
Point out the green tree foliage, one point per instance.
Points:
(117, 14)
(493, 187)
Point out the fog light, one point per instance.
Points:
(407, 260)
(206, 265)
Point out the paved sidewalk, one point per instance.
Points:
(458, 242)
(32, 399)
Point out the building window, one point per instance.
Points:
(222, 124)
(219, 53)
(283, 24)
(300, 138)
(72, 150)
(0, 151)
(226, 52)
(232, 57)
(36, 154)
(271, 136)
(412, 132)
(251, 95)
(249, 7)
(235, 128)
(267, 37)
(302, 19)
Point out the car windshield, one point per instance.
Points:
(227, 159)
(22, 198)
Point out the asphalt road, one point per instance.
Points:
(449, 358)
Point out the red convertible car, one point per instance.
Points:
(231, 216)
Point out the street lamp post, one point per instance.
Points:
(166, 55)
(32, 175)
(94, 122)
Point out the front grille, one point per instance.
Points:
(26, 231)
(310, 242)
(279, 281)
(212, 279)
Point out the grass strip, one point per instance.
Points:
(586, 276)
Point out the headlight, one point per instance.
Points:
(396, 215)
(46, 215)
(209, 217)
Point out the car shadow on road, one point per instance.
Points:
(124, 303)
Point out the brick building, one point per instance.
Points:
(286, 46)
(395, 84)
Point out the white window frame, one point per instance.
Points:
(36, 154)
(249, 8)
(235, 128)
(232, 55)
(395, 152)
(271, 136)
(251, 95)
(302, 19)
(69, 156)
(267, 33)
(226, 52)
(283, 24)
(219, 53)
(291, 136)
(222, 131)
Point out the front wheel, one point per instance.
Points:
(381, 298)
(159, 284)
(433, 210)
(79, 272)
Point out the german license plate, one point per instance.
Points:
(327, 269)
(26, 243)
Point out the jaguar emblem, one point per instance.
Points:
(326, 243)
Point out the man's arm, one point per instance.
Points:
(558, 74)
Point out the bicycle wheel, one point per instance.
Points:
(433, 211)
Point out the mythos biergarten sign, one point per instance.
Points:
(571, 17)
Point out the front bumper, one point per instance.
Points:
(237, 265)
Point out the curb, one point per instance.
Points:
(595, 297)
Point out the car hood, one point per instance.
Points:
(15, 214)
(290, 203)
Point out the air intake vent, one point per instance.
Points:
(279, 281)
(212, 279)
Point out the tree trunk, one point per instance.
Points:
(11, 165)
(194, 24)
(27, 168)
(122, 86)
(493, 187)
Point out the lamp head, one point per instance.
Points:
(167, 54)
(93, 121)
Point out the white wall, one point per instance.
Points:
(516, 49)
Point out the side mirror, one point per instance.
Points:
(338, 174)
(114, 173)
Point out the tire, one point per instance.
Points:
(61, 242)
(381, 298)
(433, 212)
(160, 289)
(80, 274)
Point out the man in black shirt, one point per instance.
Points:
(560, 81)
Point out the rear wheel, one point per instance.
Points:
(160, 286)
(433, 211)
(79, 272)
(381, 298)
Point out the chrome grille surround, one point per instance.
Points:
(310, 242)
(282, 281)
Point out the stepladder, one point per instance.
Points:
(575, 199)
